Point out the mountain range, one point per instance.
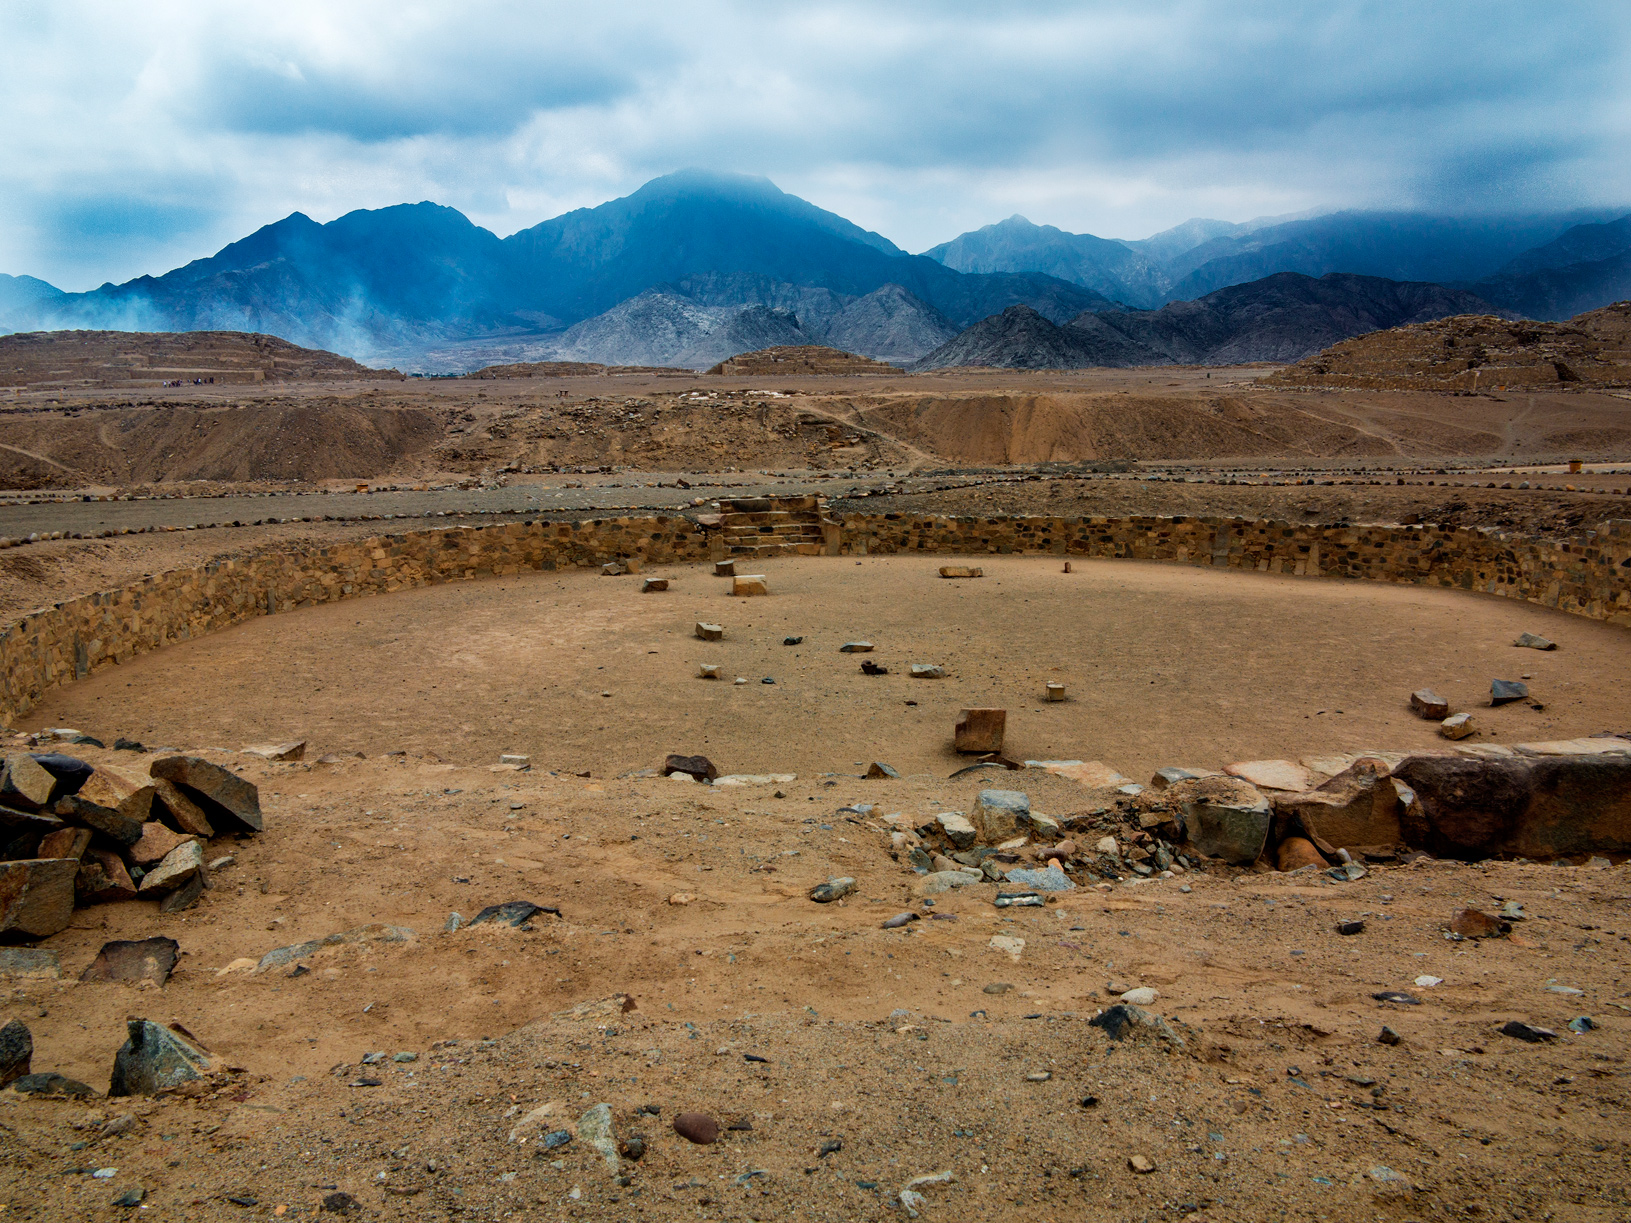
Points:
(695, 267)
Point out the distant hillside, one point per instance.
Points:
(1477, 352)
(71, 360)
(1586, 267)
(802, 359)
(1279, 318)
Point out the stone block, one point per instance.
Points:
(1356, 808)
(102, 878)
(958, 829)
(175, 869)
(515, 759)
(925, 670)
(1534, 641)
(998, 813)
(724, 569)
(1457, 726)
(1224, 817)
(1505, 691)
(25, 785)
(156, 842)
(228, 800)
(710, 632)
(155, 1058)
(1429, 704)
(980, 730)
(130, 796)
(184, 814)
(961, 571)
(148, 959)
(109, 821)
(37, 895)
(744, 585)
(1053, 692)
(650, 585)
(65, 843)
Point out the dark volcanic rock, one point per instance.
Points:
(699, 767)
(16, 1051)
(155, 1058)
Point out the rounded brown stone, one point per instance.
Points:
(699, 1128)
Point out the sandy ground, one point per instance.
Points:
(1165, 665)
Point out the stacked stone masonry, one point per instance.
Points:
(1587, 576)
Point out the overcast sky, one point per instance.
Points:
(138, 136)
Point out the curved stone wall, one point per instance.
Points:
(1588, 576)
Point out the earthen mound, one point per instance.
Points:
(74, 360)
(1477, 352)
(801, 359)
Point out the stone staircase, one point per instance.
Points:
(773, 526)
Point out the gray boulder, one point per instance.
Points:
(155, 1059)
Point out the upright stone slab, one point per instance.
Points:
(980, 730)
(16, 1051)
(25, 785)
(177, 867)
(154, 1059)
(182, 812)
(959, 829)
(1224, 817)
(37, 895)
(148, 959)
(710, 632)
(744, 585)
(226, 798)
(130, 796)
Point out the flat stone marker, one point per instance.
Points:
(961, 571)
(1054, 692)
(708, 670)
(1429, 704)
(724, 569)
(744, 585)
(653, 584)
(926, 670)
(980, 730)
(710, 632)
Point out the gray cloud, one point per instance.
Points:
(137, 139)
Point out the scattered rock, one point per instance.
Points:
(651, 585)
(936, 882)
(341, 1203)
(710, 632)
(792, 641)
(109, 787)
(1429, 705)
(155, 843)
(834, 889)
(51, 1084)
(1535, 642)
(25, 783)
(109, 821)
(699, 768)
(102, 878)
(1171, 775)
(699, 1128)
(1124, 1019)
(1527, 1031)
(37, 895)
(40, 962)
(1350, 927)
(148, 959)
(958, 829)
(177, 867)
(1010, 946)
(293, 750)
(16, 1051)
(1396, 996)
(1143, 995)
(1580, 1026)
(1505, 691)
(184, 813)
(595, 1128)
(899, 920)
(1457, 726)
(513, 913)
(1475, 923)
(227, 800)
(131, 1197)
(924, 670)
(373, 932)
(1270, 774)
(1294, 853)
(880, 769)
(1141, 1164)
(997, 987)
(868, 667)
(1388, 1036)
(980, 730)
(156, 1058)
(745, 585)
(515, 760)
(1039, 1076)
(961, 571)
(855, 647)
(1047, 879)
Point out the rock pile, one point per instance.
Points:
(75, 833)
